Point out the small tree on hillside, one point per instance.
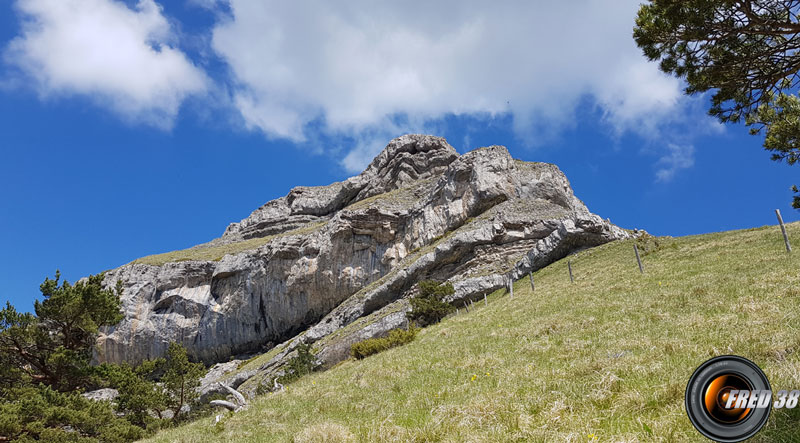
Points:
(140, 399)
(155, 386)
(181, 379)
(301, 364)
(428, 306)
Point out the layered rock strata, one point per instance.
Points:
(338, 261)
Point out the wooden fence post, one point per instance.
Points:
(466, 307)
(533, 286)
(638, 260)
(485, 300)
(511, 286)
(783, 230)
(569, 266)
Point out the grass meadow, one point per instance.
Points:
(605, 358)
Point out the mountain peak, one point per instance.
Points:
(405, 159)
(318, 259)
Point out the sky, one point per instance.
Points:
(129, 128)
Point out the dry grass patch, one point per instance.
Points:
(216, 252)
(325, 432)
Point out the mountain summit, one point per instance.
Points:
(332, 265)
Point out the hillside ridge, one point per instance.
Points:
(304, 267)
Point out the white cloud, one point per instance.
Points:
(677, 157)
(363, 71)
(637, 97)
(211, 5)
(205, 4)
(123, 58)
(356, 66)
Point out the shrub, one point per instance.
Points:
(40, 413)
(649, 244)
(301, 364)
(396, 337)
(139, 398)
(427, 307)
(263, 388)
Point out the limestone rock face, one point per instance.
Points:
(324, 259)
(105, 394)
(405, 159)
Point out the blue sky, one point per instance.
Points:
(133, 128)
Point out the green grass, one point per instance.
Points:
(216, 252)
(608, 355)
(404, 197)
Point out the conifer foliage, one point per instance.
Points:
(746, 52)
(428, 306)
(45, 367)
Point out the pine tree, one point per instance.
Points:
(747, 52)
(55, 345)
(181, 379)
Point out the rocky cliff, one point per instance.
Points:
(333, 264)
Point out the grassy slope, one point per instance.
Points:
(216, 252)
(609, 355)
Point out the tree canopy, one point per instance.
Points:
(45, 366)
(745, 51)
(181, 378)
(54, 346)
(428, 307)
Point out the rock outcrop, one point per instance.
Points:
(340, 260)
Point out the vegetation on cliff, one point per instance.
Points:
(428, 307)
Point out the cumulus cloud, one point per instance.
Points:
(354, 67)
(211, 5)
(358, 73)
(123, 58)
(676, 158)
